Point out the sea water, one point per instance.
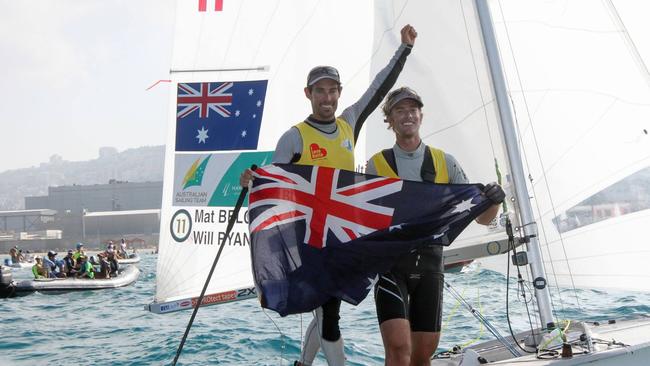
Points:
(111, 327)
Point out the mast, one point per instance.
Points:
(529, 225)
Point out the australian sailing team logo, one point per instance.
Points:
(194, 175)
(189, 189)
(212, 179)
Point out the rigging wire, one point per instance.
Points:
(460, 121)
(295, 36)
(478, 82)
(196, 47)
(381, 38)
(453, 312)
(282, 336)
(452, 291)
(513, 248)
(634, 51)
(483, 106)
(231, 223)
(511, 240)
(264, 33)
(234, 27)
(525, 155)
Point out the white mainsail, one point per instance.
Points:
(580, 135)
(582, 125)
(278, 41)
(582, 98)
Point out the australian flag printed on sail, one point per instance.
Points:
(219, 115)
(319, 232)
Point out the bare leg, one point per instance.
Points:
(396, 335)
(424, 345)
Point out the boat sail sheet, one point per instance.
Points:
(581, 92)
(580, 147)
(582, 126)
(581, 96)
(276, 41)
(280, 41)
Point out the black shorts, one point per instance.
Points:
(416, 296)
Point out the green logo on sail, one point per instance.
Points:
(194, 175)
(228, 189)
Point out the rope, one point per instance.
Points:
(231, 223)
(283, 343)
(483, 320)
(525, 156)
(514, 250)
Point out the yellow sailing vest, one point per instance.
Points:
(439, 166)
(319, 150)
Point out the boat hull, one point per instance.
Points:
(133, 258)
(126, 277)
(631, 348)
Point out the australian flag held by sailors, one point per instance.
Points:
(219, 115)
(320, 232)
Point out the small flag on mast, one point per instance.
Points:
(203, 5)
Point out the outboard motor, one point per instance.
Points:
(7, 288)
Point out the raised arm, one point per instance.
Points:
(357, 113)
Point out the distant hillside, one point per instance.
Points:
(134, 165)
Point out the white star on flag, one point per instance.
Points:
(254, 115)
(465, 205)
(243, 133)
(436, 236)
(203, 134)
(237, 113)
(250, 91)
(372, 281)
(395, 227)
(259, 103)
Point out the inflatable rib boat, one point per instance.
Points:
(11, 288)
(133, 258)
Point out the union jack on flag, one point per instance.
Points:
(320, 232)
(208, 96)
(343, 210)
(213, 116)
